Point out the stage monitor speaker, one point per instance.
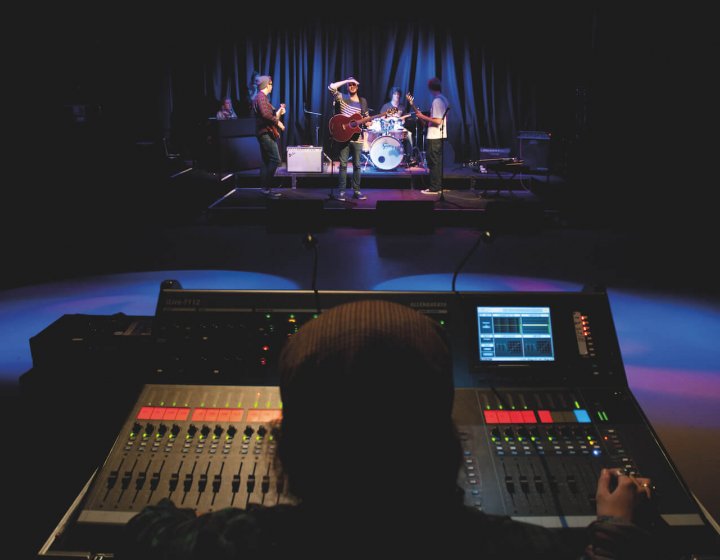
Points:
(404, 216)
(286, 215)
(534, 150)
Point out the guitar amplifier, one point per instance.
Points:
(304, 159)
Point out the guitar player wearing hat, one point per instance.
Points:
(267, 129)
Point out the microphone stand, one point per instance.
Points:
(442, 156)
(317, 126)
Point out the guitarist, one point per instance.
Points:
(349, 104)
(267, 128)
(436, 122)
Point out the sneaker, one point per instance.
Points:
(340, 196)
(357, 195)
(430, 191)
(270, 193)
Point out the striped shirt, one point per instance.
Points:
(345, 106)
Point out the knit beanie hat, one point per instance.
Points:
(358, 348)
(262, 81)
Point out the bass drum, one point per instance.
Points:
(386, 153)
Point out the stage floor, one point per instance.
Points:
(455, 176)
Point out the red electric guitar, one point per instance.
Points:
(343, 128)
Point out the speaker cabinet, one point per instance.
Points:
(404, 216)
(287, 215)
(534, 150)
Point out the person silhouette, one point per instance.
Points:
(371, 455)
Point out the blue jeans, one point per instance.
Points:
(270, 159)
(356, 148)
(433, 153)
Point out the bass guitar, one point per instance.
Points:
(275, 129)
(411, 100)
(343, 128)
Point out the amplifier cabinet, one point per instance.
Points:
(304, 159)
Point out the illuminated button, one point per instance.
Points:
(545, 416)
(491, 416)
(582, 416)
(145, 413)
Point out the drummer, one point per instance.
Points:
(396, 102)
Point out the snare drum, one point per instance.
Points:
(386, 153)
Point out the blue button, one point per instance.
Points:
(582, 416)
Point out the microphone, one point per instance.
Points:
(488, 237)
(311, 242)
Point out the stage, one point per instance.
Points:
(466, 199)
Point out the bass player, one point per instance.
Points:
(267, 129)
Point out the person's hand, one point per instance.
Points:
(281, 110)
(622, 501)
(351, 79)
(281, 126)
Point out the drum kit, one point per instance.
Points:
(384, 142)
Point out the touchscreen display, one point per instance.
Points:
(515, 334)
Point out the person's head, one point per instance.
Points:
(367, 391)
(227, 104)
(434, 85)
(264, 83)
(352, 87)
(395, 94)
